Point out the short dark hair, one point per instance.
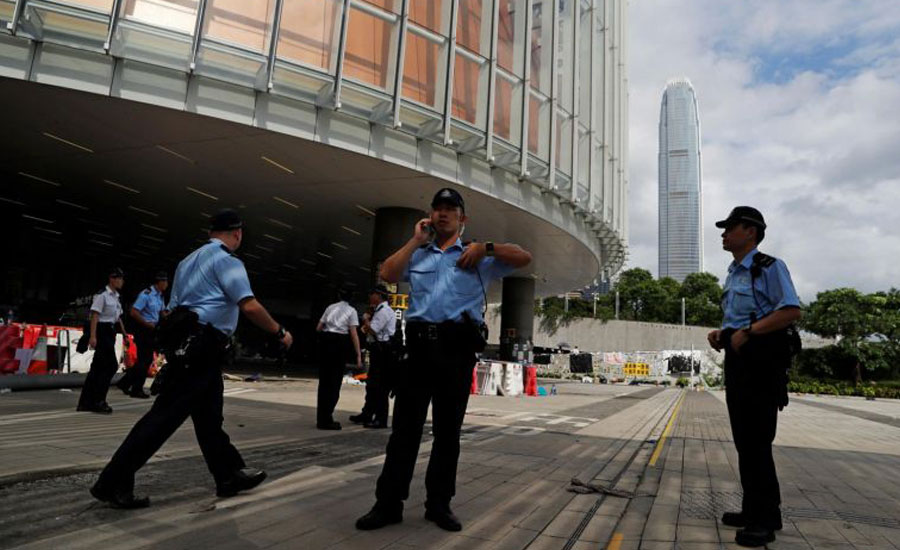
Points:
(760, 231)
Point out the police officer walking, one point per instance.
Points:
(145, 311)
(337, 323)
(210, 287)
(760, 305)
(447, 286)
(106, 314)
(381, 327)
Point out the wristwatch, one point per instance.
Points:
(489, 248)
(280, 334)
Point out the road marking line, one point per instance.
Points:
(662, 438)
(616, 541)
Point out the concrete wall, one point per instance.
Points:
(624, 336)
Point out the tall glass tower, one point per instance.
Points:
(680, 201)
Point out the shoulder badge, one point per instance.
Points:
(760, 262)
(763, 260)
(147, 291)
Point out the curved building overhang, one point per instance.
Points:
(140, 154)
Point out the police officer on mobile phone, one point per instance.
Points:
(212, 284)
(448, 282)
(760, 307)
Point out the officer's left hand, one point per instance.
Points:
(470, 257)
(738, 339)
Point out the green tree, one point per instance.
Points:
(703, 299)
(860, 322)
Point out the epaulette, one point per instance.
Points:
(763, 260)
(227, 250)
(760, 261)
(146, 291)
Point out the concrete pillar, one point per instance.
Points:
(393, 227)
(516, 316)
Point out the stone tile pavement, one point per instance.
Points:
(668, 452)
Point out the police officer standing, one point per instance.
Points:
(338, 321)
(212, 284)
(760, 305)
(448, 283)
(148, 307)
(106, 314)
(381, 327)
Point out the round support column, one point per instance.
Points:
(516, 317)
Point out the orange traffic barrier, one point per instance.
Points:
(531, 380)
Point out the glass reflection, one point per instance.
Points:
(469, 89)
(508, 108)
(371, 40)
(423, 61)
(565, 74)
(541, 45)
(432, 14)
(179, 15)
(473, 26)
(511, 36)
(241, 23)
(310, 32)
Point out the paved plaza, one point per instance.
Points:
(662, 462)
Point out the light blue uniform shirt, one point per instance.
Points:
(440, 291)
(149, 303)
(211, 282)
(773, 290)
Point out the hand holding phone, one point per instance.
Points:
(424, 232)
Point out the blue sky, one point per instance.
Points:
(800, 115)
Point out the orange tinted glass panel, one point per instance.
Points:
(309, 32)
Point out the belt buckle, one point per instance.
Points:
(431, 332)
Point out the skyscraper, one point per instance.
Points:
(680, 201)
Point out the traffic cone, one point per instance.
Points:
(38, 363)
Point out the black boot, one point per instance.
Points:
(380, 516)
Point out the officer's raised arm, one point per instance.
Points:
(393, 267)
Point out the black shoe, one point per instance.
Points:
(734, 519)
(139, 394)
(116, 499)
(739, 519)
(329, 425)
(379, 517)
(125, 389)
(376, 425)
(241, 480)
(99, 408)
(754, 535)
(445, 519)
(360, 418)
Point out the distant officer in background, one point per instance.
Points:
(210, 288)
(146, 311)
(760, 304)
(338, 322)
(381, 327)
(106, 316)
(448, 281)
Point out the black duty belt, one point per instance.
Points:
(418, 330)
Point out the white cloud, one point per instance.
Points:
(813, 144)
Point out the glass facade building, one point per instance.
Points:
(680, 199)
(533, 89)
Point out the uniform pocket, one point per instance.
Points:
(422, 280)
(466, 282)
(742, 302)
